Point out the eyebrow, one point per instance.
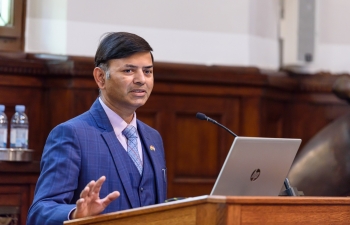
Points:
(133, 66)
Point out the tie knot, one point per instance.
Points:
(130, 132)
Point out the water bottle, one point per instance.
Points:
(3, 127)
(19, 128)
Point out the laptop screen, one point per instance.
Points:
(256, 166)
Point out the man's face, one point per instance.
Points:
(130, 83)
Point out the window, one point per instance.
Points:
(12, 25)
(6, 13)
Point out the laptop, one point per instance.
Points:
(256, 166)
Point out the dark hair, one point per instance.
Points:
(117, 45)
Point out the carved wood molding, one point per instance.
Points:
(73, 66)
(22, 67)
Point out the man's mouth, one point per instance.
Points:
(138, 92)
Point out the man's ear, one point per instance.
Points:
(99, 76)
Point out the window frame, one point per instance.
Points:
(12, 37)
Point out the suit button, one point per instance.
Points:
(141, 189)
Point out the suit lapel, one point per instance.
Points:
(155, 159)
(113, 145)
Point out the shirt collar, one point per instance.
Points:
(117, 122)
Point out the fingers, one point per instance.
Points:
(80, 209)
(92, 189)
(90, 202)
(80, 202)
(98, 184)
(85, 192)
(109, 198)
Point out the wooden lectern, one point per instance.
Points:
(233, 210)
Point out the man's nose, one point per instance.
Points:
(139, 77)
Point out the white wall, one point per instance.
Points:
(333, 36)
(46, 26)
(331, 41)
(222, 32)
(263, 25)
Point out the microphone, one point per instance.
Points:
(202, 116)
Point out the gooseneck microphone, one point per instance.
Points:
(202, 116)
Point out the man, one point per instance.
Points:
(106, 143)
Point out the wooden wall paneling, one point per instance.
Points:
(25, 204)
(275, 108)
(31, 192)
(191, 159)
(19, 80)
(157, 113)
(68, 97)
(274, 117)
(167, 130)
(60, 106)
(231, 119)
(196, 144)
(11, 195)
(70, 87)
(17, 183)
(82, 100)
(197, 147)
(250, 116)
(148, 117)
(85, 91)
(66, 100)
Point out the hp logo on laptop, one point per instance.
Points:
(255, 175)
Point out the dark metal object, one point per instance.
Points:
(323, 166)
(290, 191)
(341, 87)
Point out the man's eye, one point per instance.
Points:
(128, 71)
(148, 71)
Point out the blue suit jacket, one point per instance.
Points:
(84, 149)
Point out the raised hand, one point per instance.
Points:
(90, 203)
